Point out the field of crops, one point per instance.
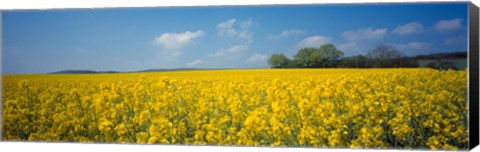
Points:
(380, 108)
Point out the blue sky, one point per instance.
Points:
(41, 41)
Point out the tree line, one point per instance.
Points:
(328, 56)
(82, 72)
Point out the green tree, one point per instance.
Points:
(302, 59)
(358, 61)
(324, 57)
(432, 64)
(328, 55)
(279, 61)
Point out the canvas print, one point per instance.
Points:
(317, 76)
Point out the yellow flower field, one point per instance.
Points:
(379, 108)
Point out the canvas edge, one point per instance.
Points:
(473, 75)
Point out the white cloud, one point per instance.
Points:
(414, 46)
(257, 58)
(313, 41)
(194, 63)
(227, 24)
(246, 24)
(177, 40)
(356, 48)
(230, 51)
(172, 44)
(446, 25)
(365, 34)
(410, 28)
(285, 33)
(348, 47)
(227, 29)
(454, 40)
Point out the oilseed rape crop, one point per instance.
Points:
(354, 108)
